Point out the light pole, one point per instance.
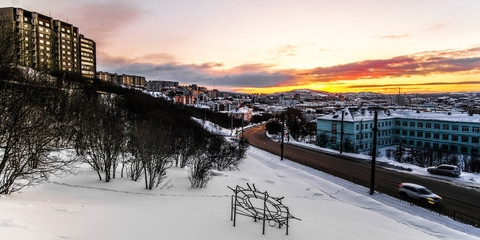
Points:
(374, 153)
(283, 133)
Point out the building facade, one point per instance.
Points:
(450, 132)
(157, 86)
(47, 44)
(126, 80)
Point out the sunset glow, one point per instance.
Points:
(271, 46)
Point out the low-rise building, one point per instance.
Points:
(447, 131)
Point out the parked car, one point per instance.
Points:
(418, 193)
(445, 169)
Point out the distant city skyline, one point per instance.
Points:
(268, 46)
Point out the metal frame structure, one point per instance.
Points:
(251, 202)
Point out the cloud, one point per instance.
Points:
(259, 75)
(105, 59)
(421, 64)
(101, 20)
(201, 75)
(437, 26)
(412, 84)
(395, 36)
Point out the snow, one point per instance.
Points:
(81, 207)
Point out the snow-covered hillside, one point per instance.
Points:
(81, 207)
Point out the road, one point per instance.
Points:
(463, 202)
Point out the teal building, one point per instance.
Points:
(449, 131)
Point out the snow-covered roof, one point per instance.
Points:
(368, 115)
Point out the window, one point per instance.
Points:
(428, 125)
(357, 127)
(475, 129)
(474, 151)
(411, 142)
(371, 125)
(464, 139)
(464, 128)
(474, 139)
(397, 123)
(446, 127)
(364, 126)
(445, 147)
(412, 124)
(371, 135)
(397, 131)
(358, 137)
(454, 148)
(455, 127)
(420, 125)
(404, 132)
(412, 133)
(436, 136)
(419, 134)
(444, 136)
(436, 126)
(464, 150)
(366, 135)
(428, 135)
(419, 144)
(454, 138)
(405, 123)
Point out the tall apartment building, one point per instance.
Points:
(452, 132)
(47, 44)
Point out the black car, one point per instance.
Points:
(445, 169)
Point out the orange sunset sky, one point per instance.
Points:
(265, 46)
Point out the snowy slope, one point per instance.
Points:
(81, 207)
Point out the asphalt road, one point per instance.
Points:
(464, 201)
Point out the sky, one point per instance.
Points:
(265, 46)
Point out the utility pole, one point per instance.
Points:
(283, 133)
(231, 124)
(341, 133)
(374, 153)
(243, 116)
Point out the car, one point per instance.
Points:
(418, 193)
(445, 169)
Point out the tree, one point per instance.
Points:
(150, 147)
(273, 127)
(8, 56)
(200, 168)
(30, 132)
(101, 135)
(322, 140)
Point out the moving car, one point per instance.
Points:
(419, 193)
(445, 169)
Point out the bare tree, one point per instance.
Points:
(100, 138)
(199, 170)
(150, 147)
(29, 131)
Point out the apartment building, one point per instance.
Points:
(47, 44)
(448, 131)
(126, 80)
(157, 86)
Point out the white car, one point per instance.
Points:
(419, 193)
